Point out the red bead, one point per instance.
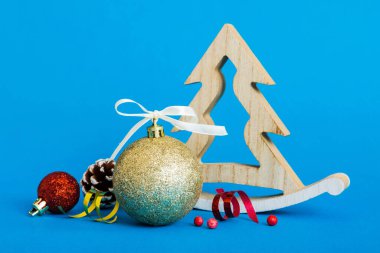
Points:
(198, 221)
(212, 223)
(272, 220)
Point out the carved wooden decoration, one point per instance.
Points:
(273, 170)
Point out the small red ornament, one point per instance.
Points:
(56, 190)
(212, 223)
(272, 220)
(198, 221)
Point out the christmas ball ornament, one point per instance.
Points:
(198, 221)
(272, 220)
(157, 180)
(212, 223)
(58, 190)
(99, 177)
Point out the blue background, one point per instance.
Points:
(63, 64)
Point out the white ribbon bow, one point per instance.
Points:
(164, 115)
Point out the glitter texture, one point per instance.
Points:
(59, 189)
(157, 181)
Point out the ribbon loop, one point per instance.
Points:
(166, 115)
(228, 199)
(95, 205)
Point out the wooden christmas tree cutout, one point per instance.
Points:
(273, 171)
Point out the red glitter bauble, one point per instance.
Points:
(212, 223)
(59, 189)
(272, 220)
(198, 221)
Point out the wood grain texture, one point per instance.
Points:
(273, 170)
(334, 185)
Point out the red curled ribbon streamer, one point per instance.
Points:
(228, 199)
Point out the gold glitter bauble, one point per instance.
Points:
(157, 181)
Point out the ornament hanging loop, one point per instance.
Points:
(166, 114)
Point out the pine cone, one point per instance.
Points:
(99, 177)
